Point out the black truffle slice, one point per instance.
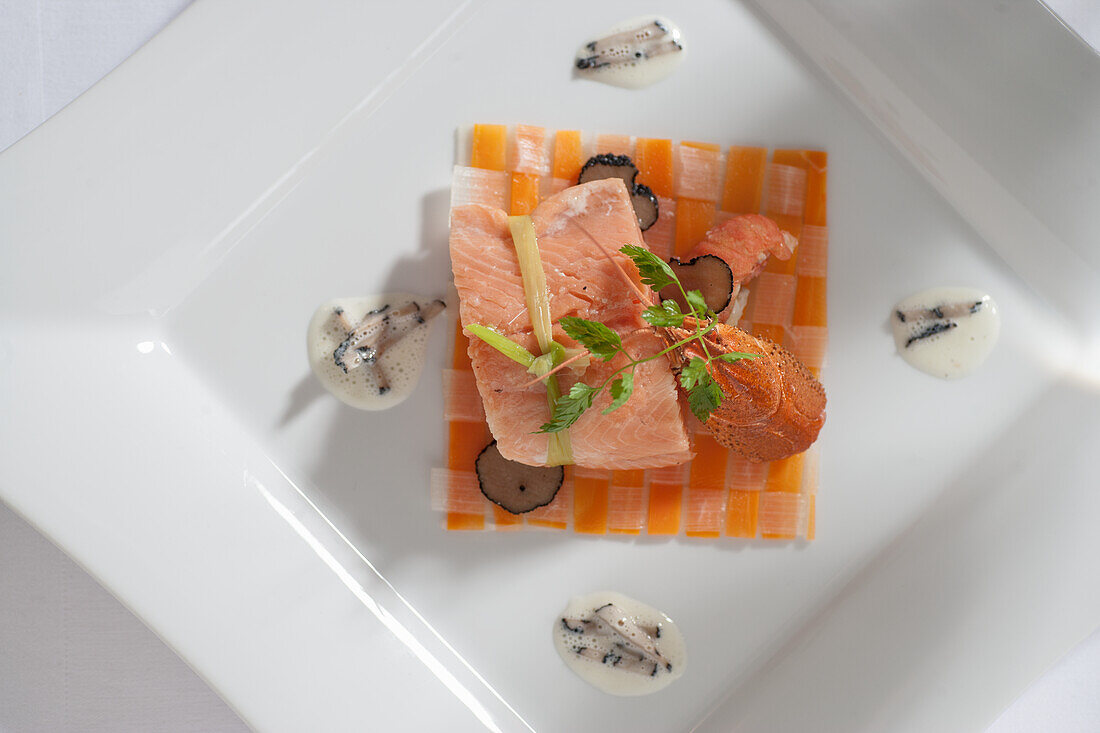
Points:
(606, 165)
(609, 166)
(515, 486)
(645, 205)
(709, 275)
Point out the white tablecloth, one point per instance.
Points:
(74, 659)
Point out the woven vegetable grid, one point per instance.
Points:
(698, 185)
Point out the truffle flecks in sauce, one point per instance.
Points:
(946, 332)
(618, 644)
(633, 54)
(369, 351)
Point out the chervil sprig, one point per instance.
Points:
(703, 393)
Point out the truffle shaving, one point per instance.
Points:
(515, 486)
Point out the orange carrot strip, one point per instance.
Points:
(785, 201)
(708, 468)
(654, 160)
(770, 330)
(785, 474)
(745, 479)
(741, 513)
(810, 308)
(706, 488)
(744, 187)
(693, 219)
(568, 155)
(466, 441)
(490, 147)
(709, 147)
(615, 145)
(811, 528)
(525, 193)
(664, 507)
(816, 163)
(788, 266)
(465, 521)
(590, 501)
(628, 478)
(504, 519)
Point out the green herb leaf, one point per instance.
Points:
(596, 337)
(655, 272)
(697, 304)
(736, 356)
(621, 389)
(694, 373)
(568, 408)
(704, 398)
(665, 315)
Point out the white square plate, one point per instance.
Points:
(167, 237)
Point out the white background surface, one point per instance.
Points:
(72, 658)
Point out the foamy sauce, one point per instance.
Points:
(619, 645)
(946, 332)
(369, 351)
(633, 54)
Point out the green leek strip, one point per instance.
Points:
(560, 450)
(534, 279)
(503, 344)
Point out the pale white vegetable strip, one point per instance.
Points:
(699, 172)
(785, 190)
(457, 492)
(461, 400)
(480, 186)
(559, 451)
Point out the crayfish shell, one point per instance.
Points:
(772, 407)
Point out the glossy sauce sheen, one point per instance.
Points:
(401, 363)
(946, 332)
(605, 675)
(633, 54)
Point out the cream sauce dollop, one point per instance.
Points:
(946, 332)
(369, 351)
(618, 644)
(633, 54)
